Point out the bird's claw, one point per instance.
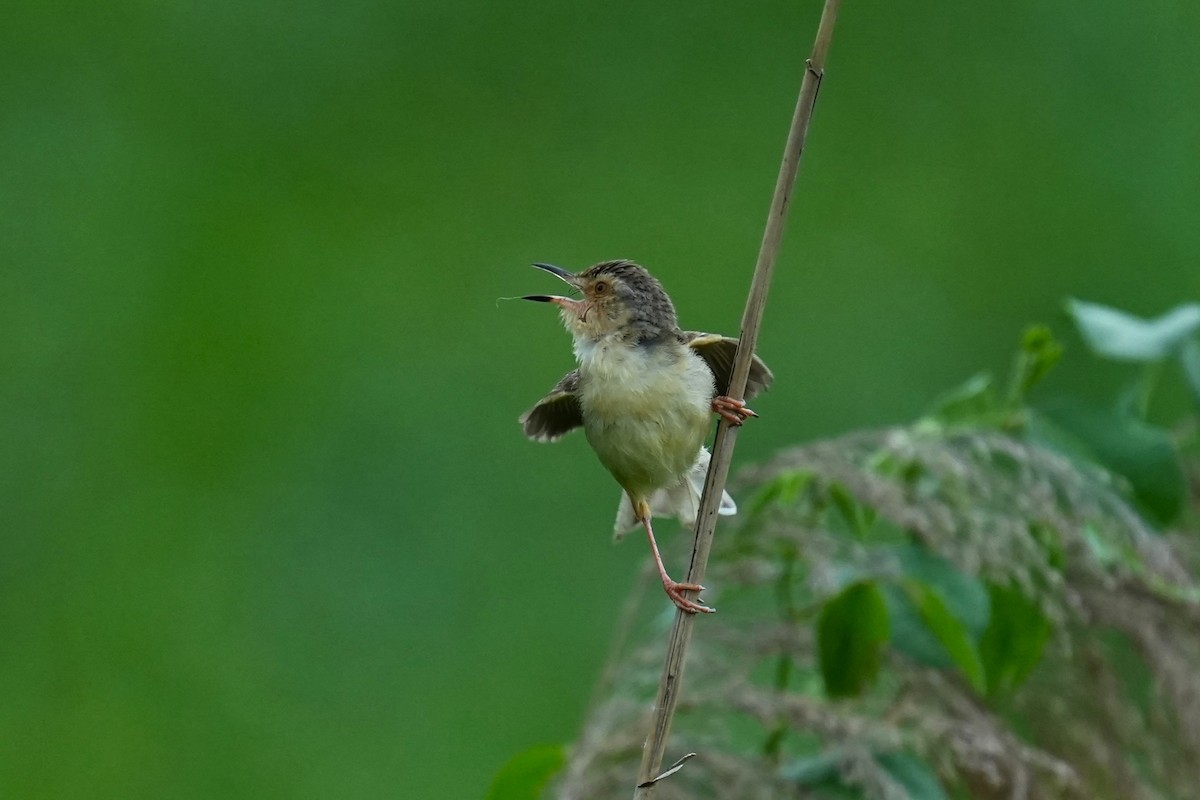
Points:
(675, 591)
(732, 411)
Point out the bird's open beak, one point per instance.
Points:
(565, 303)
(560, 272)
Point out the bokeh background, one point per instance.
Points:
(269, 527)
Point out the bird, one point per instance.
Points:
(644, 392)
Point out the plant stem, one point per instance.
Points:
(722, 455)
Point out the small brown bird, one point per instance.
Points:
(643, 393)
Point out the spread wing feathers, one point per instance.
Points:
(556, 414)
(718, 351)
(681, 501)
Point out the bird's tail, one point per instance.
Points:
(681, 501)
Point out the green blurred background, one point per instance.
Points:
(269, 527)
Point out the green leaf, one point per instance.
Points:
(1043, 430)
(891, 464)
(1038, 355)
(949, 631)
(1115, 334)
(820, 776)
(1142, 453)
(1013, 642)
(783, 490)
(851, 633)
(527, 773)
(1050, 540)
(972, 402)
(1189, 359)
(910, 634)
(813, 770)
(859, 517)
(913, 774)
(964, 594)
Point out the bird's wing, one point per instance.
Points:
(718, 351)
(557, 413)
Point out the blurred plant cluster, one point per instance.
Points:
(1000, 600)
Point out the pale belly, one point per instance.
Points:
(646, 414)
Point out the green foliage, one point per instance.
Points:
(1118, 437)
(993, 634)
(525, 775)
(1189, 359)
(859, 517)
(913, 775)
(1038, 354)
(1012, 644)
(1142, 453)
(975, 402)
(784, 490)
(1121, 438)
(931, 611)
(851, 633)
(822, 775)
(813, 771)
(937, 611)
(1118, 335)
(964, 594)
(971, 403)
(949, 630)
(953, 598)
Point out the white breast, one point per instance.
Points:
(646, 409)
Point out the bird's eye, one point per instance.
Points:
(599, 287)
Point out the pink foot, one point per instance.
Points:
(733, 411)
(675, 591)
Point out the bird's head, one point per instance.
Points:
(617, 297)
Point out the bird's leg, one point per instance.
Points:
(673, 588)
(734, 411)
